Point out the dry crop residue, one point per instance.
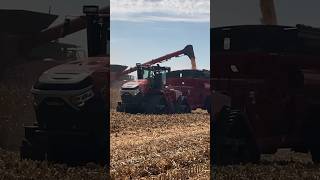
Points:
(12, 168)
(154, 146)
(282, 165)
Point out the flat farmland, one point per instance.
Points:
(282, 165)
(160, 146)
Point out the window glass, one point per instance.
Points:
(163, 74)
(146, 74)
(226, 44)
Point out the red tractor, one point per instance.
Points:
(266, 82)
(71, 104)
(150, 94)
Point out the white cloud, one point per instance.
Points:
(160, 10)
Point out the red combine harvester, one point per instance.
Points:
(71, 104)
(266, 82)
(155, 91)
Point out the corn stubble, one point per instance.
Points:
(160, 146)
(12, 168)
(285, 164)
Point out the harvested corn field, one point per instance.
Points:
(154, 146)
(282, 165)
(12, 168)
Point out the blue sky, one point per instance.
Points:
(142, 30)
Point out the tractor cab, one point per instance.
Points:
(156, 75)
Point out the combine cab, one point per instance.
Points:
(71, 105)
(150, 94)
(266, 82)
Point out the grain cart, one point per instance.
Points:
(194, 84)
(71, 104)
(266, 84)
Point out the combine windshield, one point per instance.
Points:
(144, 73)
(147, 74)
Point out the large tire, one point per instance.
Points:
(78, 153)
(101, 134)
(182, 106)
(156, 105)
(234, 142)
(120, 108)
(315, 153)
(131, 110)
(80, 149)
(311, 133)
(31, 151)
(127, 109)
(208, 105)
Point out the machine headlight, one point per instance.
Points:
(80, 100)
(136, 92)
(132, 91)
